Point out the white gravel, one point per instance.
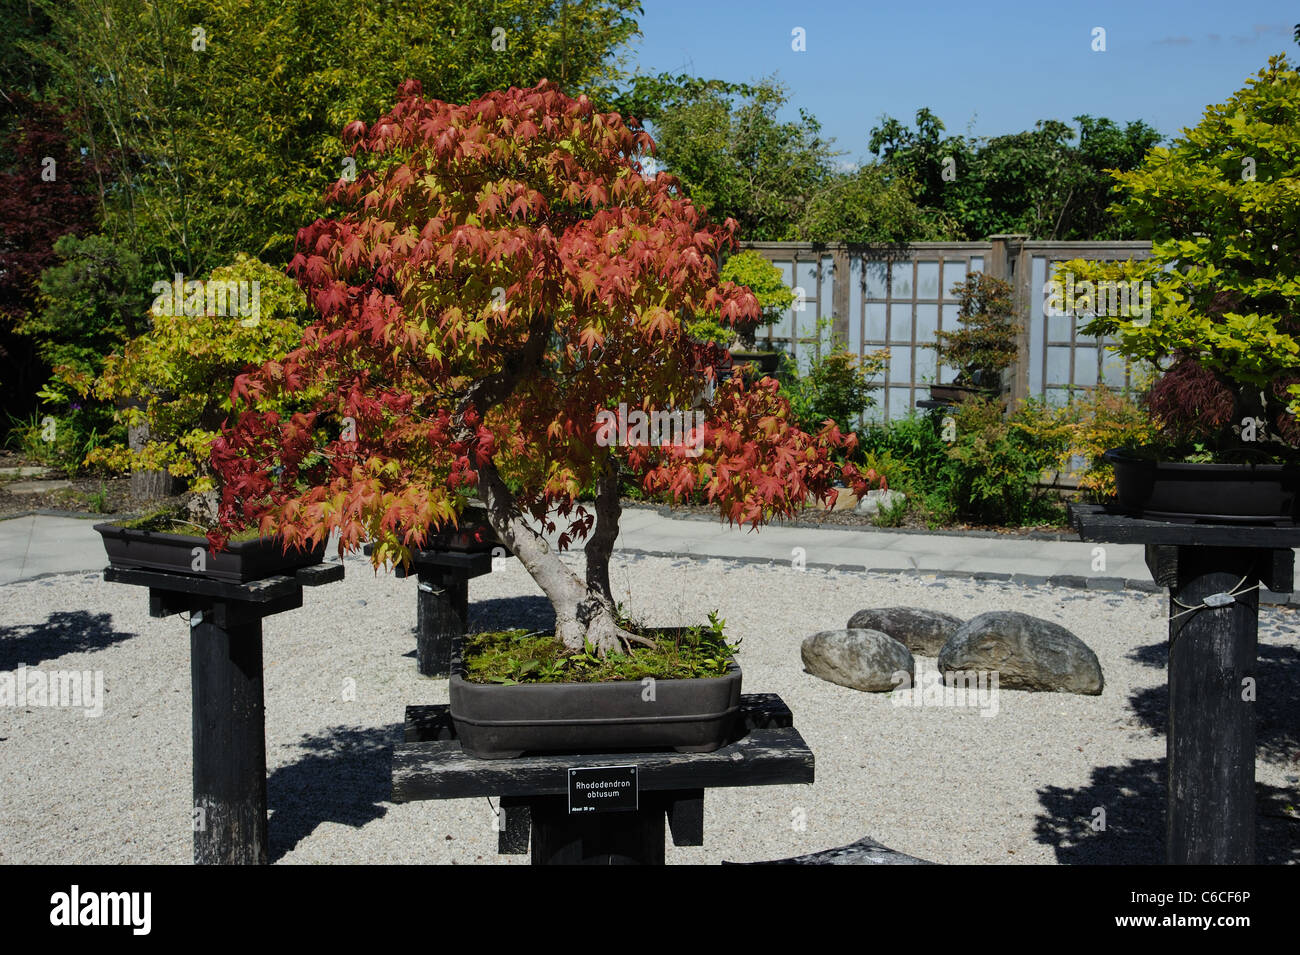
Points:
(944, 784)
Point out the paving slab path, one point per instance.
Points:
(39, 544)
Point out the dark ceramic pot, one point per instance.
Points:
(1232, 493)
(240, 562)
(496, 721)
(767, 361)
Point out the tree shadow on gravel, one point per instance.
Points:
(343, 777)
(64, 632)
(1277, 717)
(505, 613)
(1152, 655)
(1134, 798)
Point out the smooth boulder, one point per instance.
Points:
(877, 501)
(921, 631)
(1027, 652)
(859, 659)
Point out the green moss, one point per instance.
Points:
(518, 656)
(167, 522)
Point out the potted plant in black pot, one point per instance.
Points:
(201, 336)
(985, 344)
(525, 344)
(761, 277)
(1215, 311)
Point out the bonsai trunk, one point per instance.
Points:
(147, 485)
(584, 611)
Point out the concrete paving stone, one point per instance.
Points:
(1147, 586)
(1029, 580)
(1068, 580)
(1105, 583)
(36, 487)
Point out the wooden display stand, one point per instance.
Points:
(535, 790)
(1212, 572)
(229, 729)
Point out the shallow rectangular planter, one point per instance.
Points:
(495, 721)
(475, 533)
(240, 562)
(767, 361)
(956, 394)
(1233, 493)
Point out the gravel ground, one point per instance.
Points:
(945, 784)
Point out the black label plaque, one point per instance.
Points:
(603, 789)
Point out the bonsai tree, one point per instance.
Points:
(764, 279)
(169, 384)
(500, 300)
(1216, 309)
(761, 277)
(985, 344)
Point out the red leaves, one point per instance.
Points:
(534, 195)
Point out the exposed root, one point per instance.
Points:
(603, 634)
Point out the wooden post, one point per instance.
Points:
(1211, 737)
(616, 838)
(229, 739)
(227, 713)
(442, 608)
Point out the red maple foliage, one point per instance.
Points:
(501, 274)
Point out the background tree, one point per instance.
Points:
(216, 156)
(46, 192)
(1036, 182)
(735, 158)
(780, 180)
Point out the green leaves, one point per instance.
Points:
(1222, 202)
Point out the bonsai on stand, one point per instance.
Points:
(500, 307)
(764, 279)
(985, 344)
(1215, 310)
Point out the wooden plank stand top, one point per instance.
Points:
(1099, 522)
(430, 764)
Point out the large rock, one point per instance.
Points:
(859, 659)
(1028, 653)
(877, 501)
(921, 631)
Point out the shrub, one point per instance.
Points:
(1096, 421)
(63, 441)
(995, 465)
(838, 387)
(913, 443)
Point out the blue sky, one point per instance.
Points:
(983, 68)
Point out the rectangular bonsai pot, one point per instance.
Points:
(473, 535)
(1234, 493)
(495, 721)
(240, 562)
